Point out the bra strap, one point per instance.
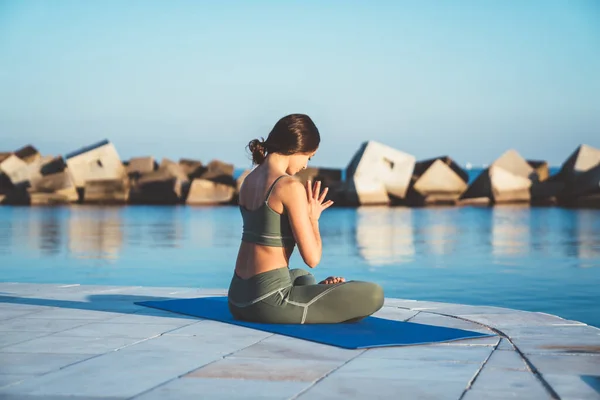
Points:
(272, 186)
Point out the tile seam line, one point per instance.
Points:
(529, 364)
(335, 369)
(93, 356)
(194, 369)
(478, 372)
(317, 381)
(46, 334)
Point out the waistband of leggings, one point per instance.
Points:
(243, 292)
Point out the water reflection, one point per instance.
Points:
(436, 231)
(95, 233)
(385, 235)
(50, 233)
(587, 238)
(510, 230)
(380, 236)
(202, 233)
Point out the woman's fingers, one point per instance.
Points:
(332, 280)
(309, 190)
(323, 195)
(327, 204)
(317, 190)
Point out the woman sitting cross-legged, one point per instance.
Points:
(279, 212)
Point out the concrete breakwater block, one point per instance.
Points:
(4, 155)
(327, 176)
(59, 183)
(53, 166)
(5, 184)
(330, 178)
(106, 191)
(583, 159)
(219, 172)
(192, 168)
(507, 180)
(48, 199)
(437, 181)
(163, 186)
(205, 192)
(377, 174)
(97, 162)
(37, 183)
(33, 171)
(15, 169)
(541, 168)
(580, 176)
(44, 190)
(140, 165)
(173, 168)
(589, 201)
(28, 154)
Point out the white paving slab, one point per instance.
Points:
(7, 314)
(77, 342)
(15, 337)
(277, 347)
(506, 359)
(395, 313)
(448, 322)
(275, 369)
(575, 386)
(510, 383)
(8, 379)
(73, 313)
(56, 343)
(116, 374)
(224, 389)
(39, 325)
(463, 354)
(38, 363)
(151, 316)
(363, 367)
(336, 387)
(107, 329)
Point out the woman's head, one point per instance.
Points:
(294, 135)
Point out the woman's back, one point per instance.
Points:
(267, 239)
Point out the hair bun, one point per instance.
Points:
(258, 150)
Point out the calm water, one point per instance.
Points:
(538, 259)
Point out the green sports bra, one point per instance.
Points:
(266, 227)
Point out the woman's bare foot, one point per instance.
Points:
(332, 280)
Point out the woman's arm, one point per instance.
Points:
(304, 207)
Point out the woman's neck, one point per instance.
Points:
(277, 162)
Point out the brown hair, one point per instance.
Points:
(294, 133)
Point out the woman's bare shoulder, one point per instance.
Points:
(291, 189)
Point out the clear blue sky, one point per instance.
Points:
(200, 79)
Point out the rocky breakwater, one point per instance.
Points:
(95, 174)
(377, 174)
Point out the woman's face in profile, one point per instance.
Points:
(299, 161)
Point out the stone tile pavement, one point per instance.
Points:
(92, 342)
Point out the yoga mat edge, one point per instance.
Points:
(372, 332)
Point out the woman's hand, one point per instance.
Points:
(315, 200)
(332, 280)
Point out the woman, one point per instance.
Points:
(279, 212)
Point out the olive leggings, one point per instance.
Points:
(284, 296)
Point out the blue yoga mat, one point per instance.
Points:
(369, 332)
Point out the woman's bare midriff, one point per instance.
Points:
(255, 259)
